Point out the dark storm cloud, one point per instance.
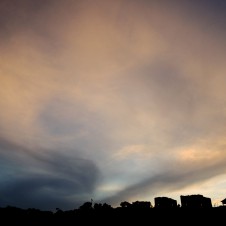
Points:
(39, 192)
(42, 179)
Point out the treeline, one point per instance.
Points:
(105, 214)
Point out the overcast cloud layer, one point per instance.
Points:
(112, 101)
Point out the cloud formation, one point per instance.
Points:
(111, 100)
(43, 179)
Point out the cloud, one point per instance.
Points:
(41, 179)
(121, 90)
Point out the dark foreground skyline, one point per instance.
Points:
(104, 214)
(194, 201)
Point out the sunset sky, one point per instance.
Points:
(111, 100)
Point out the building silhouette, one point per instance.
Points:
(165, 202)
(195, 201)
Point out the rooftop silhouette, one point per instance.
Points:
(193, 209)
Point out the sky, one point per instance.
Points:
(112, 101)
